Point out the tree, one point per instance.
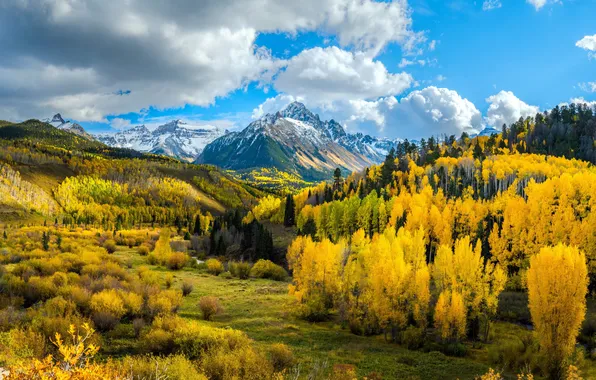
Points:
(337, 178)
(290, 212)
(557, 287)
(450, 315)
(389, 167)
(197, 229)
(45, 240)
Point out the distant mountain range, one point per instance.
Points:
(175, 139)
(292, 140)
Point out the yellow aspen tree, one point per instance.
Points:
(557, 287)
(450, 315)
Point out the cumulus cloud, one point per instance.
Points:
(422, 113)
(119, 123)
(489, 5)
(332, 74)
(588, 43)
(73, 56)
(591, 104)
(506, 108)
(272, 105)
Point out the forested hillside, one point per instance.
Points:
(61, 175)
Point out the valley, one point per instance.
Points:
(424, 265)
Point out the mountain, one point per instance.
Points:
(176, 139)
(488, 131)
(58, 122)
(296, 140)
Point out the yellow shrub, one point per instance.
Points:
(176, 260)
(214, 266)
(175, 367)
(165, 302)
(108, 301)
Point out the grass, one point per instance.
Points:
(264, 311)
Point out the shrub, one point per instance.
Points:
(412, 338)
(209, 306)
(175, 367)
(239, 269)
(242, 363)
(214, 267)
(226, 275)
(75, 362)
(187, 288)
(108, 308)
(176, 260)
(267, 269)
(281, 356)
(143, 250)
(165, 302)
(169, 280)
(110, 245)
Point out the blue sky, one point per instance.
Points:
(397, 68)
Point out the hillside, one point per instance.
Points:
(43, 165)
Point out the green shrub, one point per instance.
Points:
(239, 269)
(267, 269)
(214, 267)
(412, 338)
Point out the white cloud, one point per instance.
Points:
(588, 86)
(588, 43)
(441, 78)
(370, 25)
(432, 45)
(166, 56)
(119, 123)
(331, 74)
(591, 104)
(406, 62)
(430, 111)
(506, 108)
(489, 5)
(272, 105)
(538, 4)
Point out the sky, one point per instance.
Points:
(398, 68)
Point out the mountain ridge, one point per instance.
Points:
(175, 139)
(297, 140)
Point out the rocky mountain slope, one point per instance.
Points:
(296, 140)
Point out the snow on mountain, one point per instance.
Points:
(58, 122)
(488, 131)
(176, 139)
(296, 139)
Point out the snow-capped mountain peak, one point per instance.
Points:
(295, 139)
(57, 119)
(175, 138)
(66, 125)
